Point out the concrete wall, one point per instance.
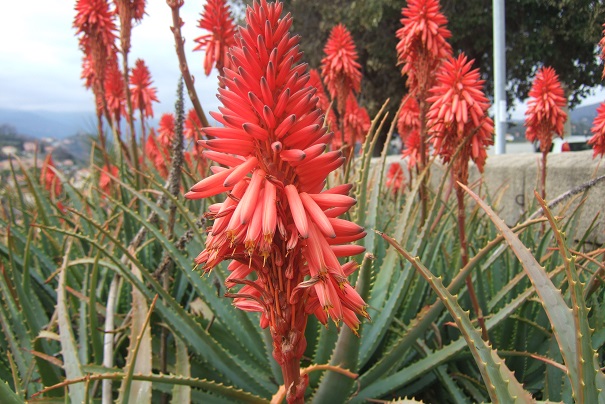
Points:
(511, 179)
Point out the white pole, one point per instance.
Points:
(499, 76)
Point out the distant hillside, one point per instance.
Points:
(60, 125)
(585, 113)
(41, 124)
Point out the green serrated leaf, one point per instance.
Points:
(234, 319)
(182, 367)
(138, 391)
(589, 379)
(8, 396)
(500, 381)
(180, 322)
(560, 315)
(69, 349)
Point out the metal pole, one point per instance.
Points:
(499, 76)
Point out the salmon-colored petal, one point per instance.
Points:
(347, 250)
(269, 211)
(298, 211)
(240, 171)
(250, 197)
(317, 215)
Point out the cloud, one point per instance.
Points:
(41, 61)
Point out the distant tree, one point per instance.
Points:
(558, 33)
(372, 24)
(562, 34)
(8, 130)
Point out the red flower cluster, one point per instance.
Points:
(157, 154)
(94, 23)
(395, 178)
(166, 130)
(193, 126)
(340, 69)
(459, 110)
(422, 42)
(48, 178)
(276, 221)
(408, 126)
(193, 131)
(115, 94)
(356, 123)
(217, 19)
(323, 102)
(141, 92)
(545, 116)
(105, 179)
(128, 10)
(598, 129)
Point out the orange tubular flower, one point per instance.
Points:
(157, 156)
(48, 178)
(94, 23)
(459, 110)
(395, 178)
(166, 130)
(422, 42)
(141, 92)
(598, 129)
(544, 116)
(193, 126)
(115, 96)
(340, 69)
(276, 222)
(408, 126)
(105, 179)
(323, 100)
(357, 121)
(217, 19)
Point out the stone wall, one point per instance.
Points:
(510, 181)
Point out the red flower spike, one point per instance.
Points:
(49, 178)
(105, 179)
(340, 69)
(95, 20)
(598, 129)
(193, 126)
(115, 94)
(157, 155)
(356, 124)
(166, 130)
(138, 9)
(545, 116)
(217, 19)
(94, 23)
(458, 110)
(395, 178)
(422, 42)
(274, 221)
(141, 92)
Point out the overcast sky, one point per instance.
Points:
(40, 62)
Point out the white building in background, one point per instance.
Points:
(30, 147)
(9, 150)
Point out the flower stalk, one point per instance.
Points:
(278, 226)
(179, 41)
(461, 131)
(545, 116)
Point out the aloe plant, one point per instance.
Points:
(101, 299)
